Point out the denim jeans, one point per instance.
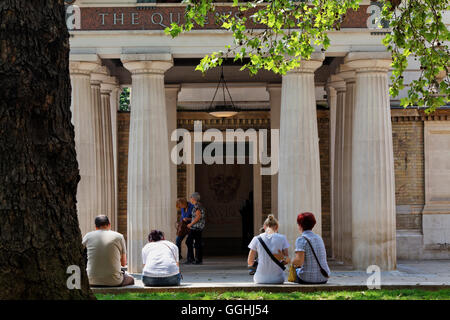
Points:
(162, 281)
(178, 242)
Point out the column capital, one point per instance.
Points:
(83, 63)
(337, 83)
(100, 74)
(368, 61)
(311, 65)
(172, 87)
(109, 84)
(155, 63)
(346, 73)
(82, 67)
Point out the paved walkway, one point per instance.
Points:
(230, 273)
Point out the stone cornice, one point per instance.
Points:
(399, 115)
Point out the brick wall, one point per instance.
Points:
(408, 145)
(323, 125)
(123, 128)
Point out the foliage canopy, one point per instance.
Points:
(276, 35)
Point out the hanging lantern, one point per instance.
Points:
(224, 109)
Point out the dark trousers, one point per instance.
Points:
(304, 282)
(194, 240)
(178, 242)
(162, 281)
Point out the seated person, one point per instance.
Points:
(106, 254)
(161, 262)
(310, 256)
(267, 271)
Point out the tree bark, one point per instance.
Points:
(39, 233)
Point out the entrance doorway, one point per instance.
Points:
(226, 192)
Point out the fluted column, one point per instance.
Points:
(96, 79)
(275, 105)
(338, 220)
(115, 97)
(171, 107)
(107, 88)
(149, 192)
(299, 173)
(349, 77)
(331, 97)
(373, 192)
(82, 119)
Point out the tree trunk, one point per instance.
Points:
(39, 233)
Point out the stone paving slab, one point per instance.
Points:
(231, 274)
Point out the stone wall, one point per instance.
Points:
(408, 130)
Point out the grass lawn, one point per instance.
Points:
(405, 294)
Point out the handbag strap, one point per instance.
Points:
(315, 256)
(270, 254)
(173, 254)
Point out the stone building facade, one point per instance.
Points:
(376, 176)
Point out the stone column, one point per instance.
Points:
(190, 171)
(331, 97)
(107, 87)
(349, 76)
(338, 186)
(97, 77)
(171, 108)
(257, 195)
(275, 105)
(82, 119)
(115, 96)
(299, 174)
(373, 189)
(149, 192)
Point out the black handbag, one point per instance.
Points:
(253, 267)
(322, 270)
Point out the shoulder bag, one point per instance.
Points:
(322, 270)
(270, 254)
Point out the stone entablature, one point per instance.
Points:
(129, 15)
